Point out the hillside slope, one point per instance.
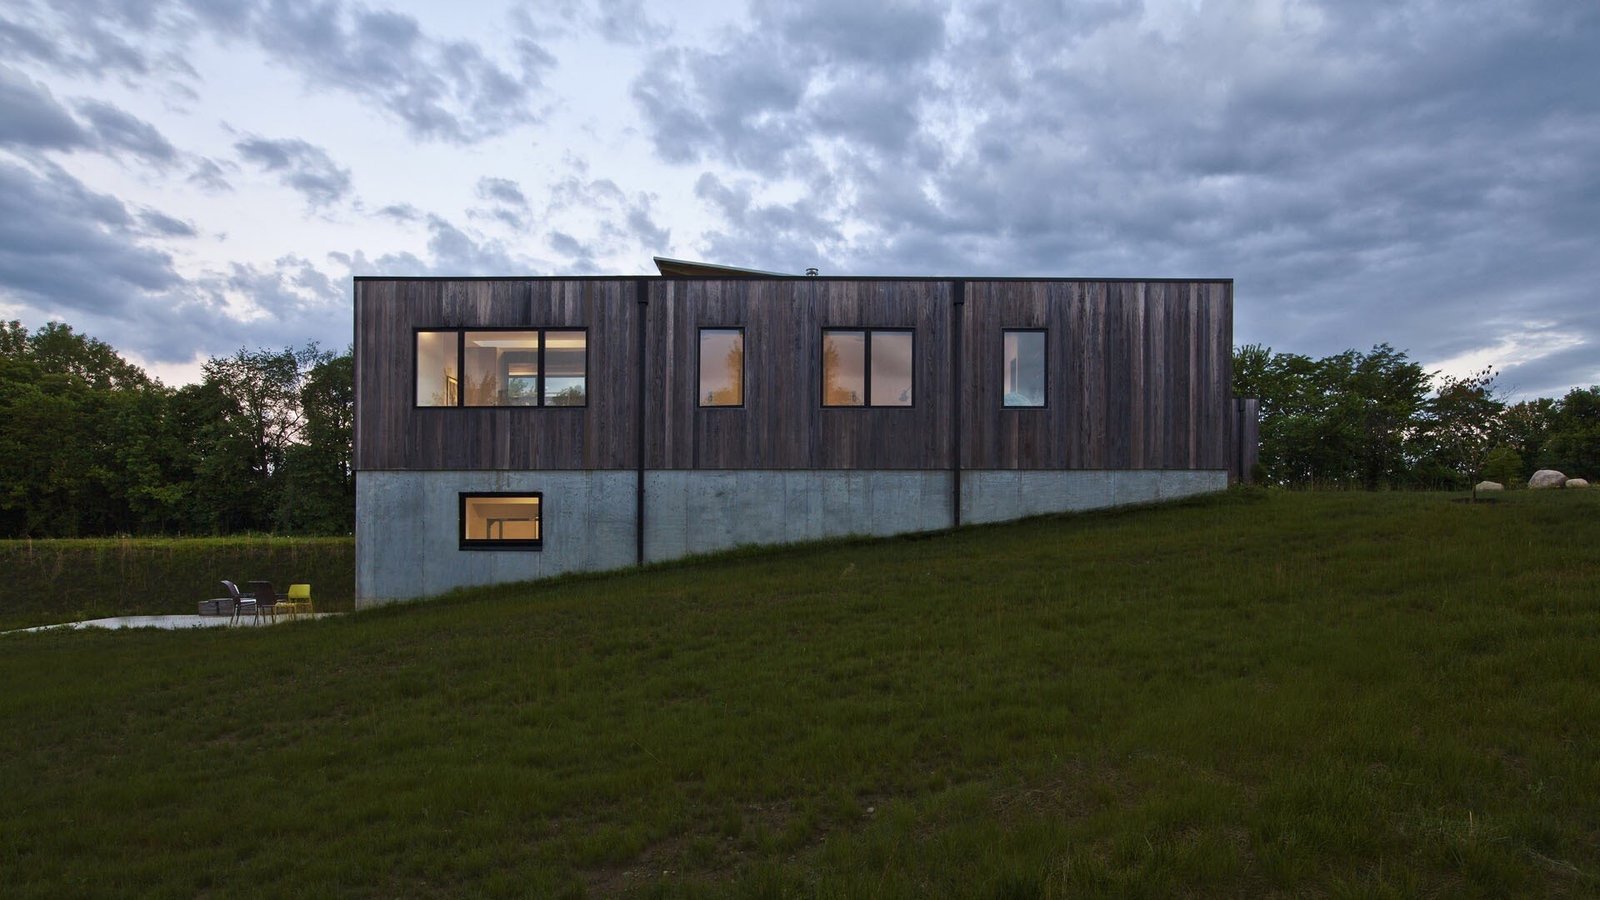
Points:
(1336, 693)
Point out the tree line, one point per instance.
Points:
(92, 445)
(1379, 420)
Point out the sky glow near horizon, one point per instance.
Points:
(187, 178)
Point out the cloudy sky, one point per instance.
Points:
(186, 178)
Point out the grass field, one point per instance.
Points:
(1349, 695)
(53, 581)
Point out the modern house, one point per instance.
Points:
(515, 428)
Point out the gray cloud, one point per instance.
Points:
(507, 204)
(31, 117)
(72, 254)
(211, 176)
(63, 246)
(624, 22)
(441, 90)
(304, 167)
(162, 225)
(118, 130)
(1368, 172)
(502, 190)
(400, 212)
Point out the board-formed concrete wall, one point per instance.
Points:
(407, 522)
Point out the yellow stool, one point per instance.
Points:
(297, 601)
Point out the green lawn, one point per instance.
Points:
(48, 582)
(1327, 694)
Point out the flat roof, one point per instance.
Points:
(1048, 279)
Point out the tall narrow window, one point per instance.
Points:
(501, 521)
(721, 367)
(1024, 362)
(502, 368)
(438, 379)
(566, 368)
(870, 367)
(890, 354)
(844, 368)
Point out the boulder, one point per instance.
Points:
(1576, 483)
(1488, 486)
(1547, 478)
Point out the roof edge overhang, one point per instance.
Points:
(689, 268)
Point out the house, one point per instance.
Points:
(515, 428)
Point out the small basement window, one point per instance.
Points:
(502, 521)
(1024, 361)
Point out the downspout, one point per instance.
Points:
(958, 310)
(641, 293)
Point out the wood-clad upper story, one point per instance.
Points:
(1137, 373)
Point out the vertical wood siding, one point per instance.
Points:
(1138, 375)
(1137, 378)
(392, 433)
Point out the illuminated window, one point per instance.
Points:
(1024, 367)
(721, 367)
(566, 364)
(867, 367)
(438, 376)
(502, 367)
(502, 521)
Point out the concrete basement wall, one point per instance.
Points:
(407, 522)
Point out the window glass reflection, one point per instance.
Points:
(721, 367)
(437, 381)
(844, 365)
(502, 368)
(1024, 368)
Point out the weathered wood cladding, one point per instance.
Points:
(1138, 375)
(783, 424)
(392, 433)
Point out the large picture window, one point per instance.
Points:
(721, 367)
(1023, 357)
(502, 367)
(500, 521)
(867, 367)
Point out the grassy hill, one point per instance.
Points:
(48, 582)
(1336, 694)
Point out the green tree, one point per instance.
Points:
(1573, 443)
(1462, 422)
(1345, 419)
(1505, 466)
(319, 478)
(1527, 427)
(252, 400)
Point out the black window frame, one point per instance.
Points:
(744, 368)
(1007, 330)
(416, 375)
(486, 544)
(866, 365)
(461, 363)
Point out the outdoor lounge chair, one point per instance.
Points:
(242, 603)
(297, 601)
(266, 599)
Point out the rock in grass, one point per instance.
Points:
(1547, 478)
(1488, 486)
(1576, 483)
